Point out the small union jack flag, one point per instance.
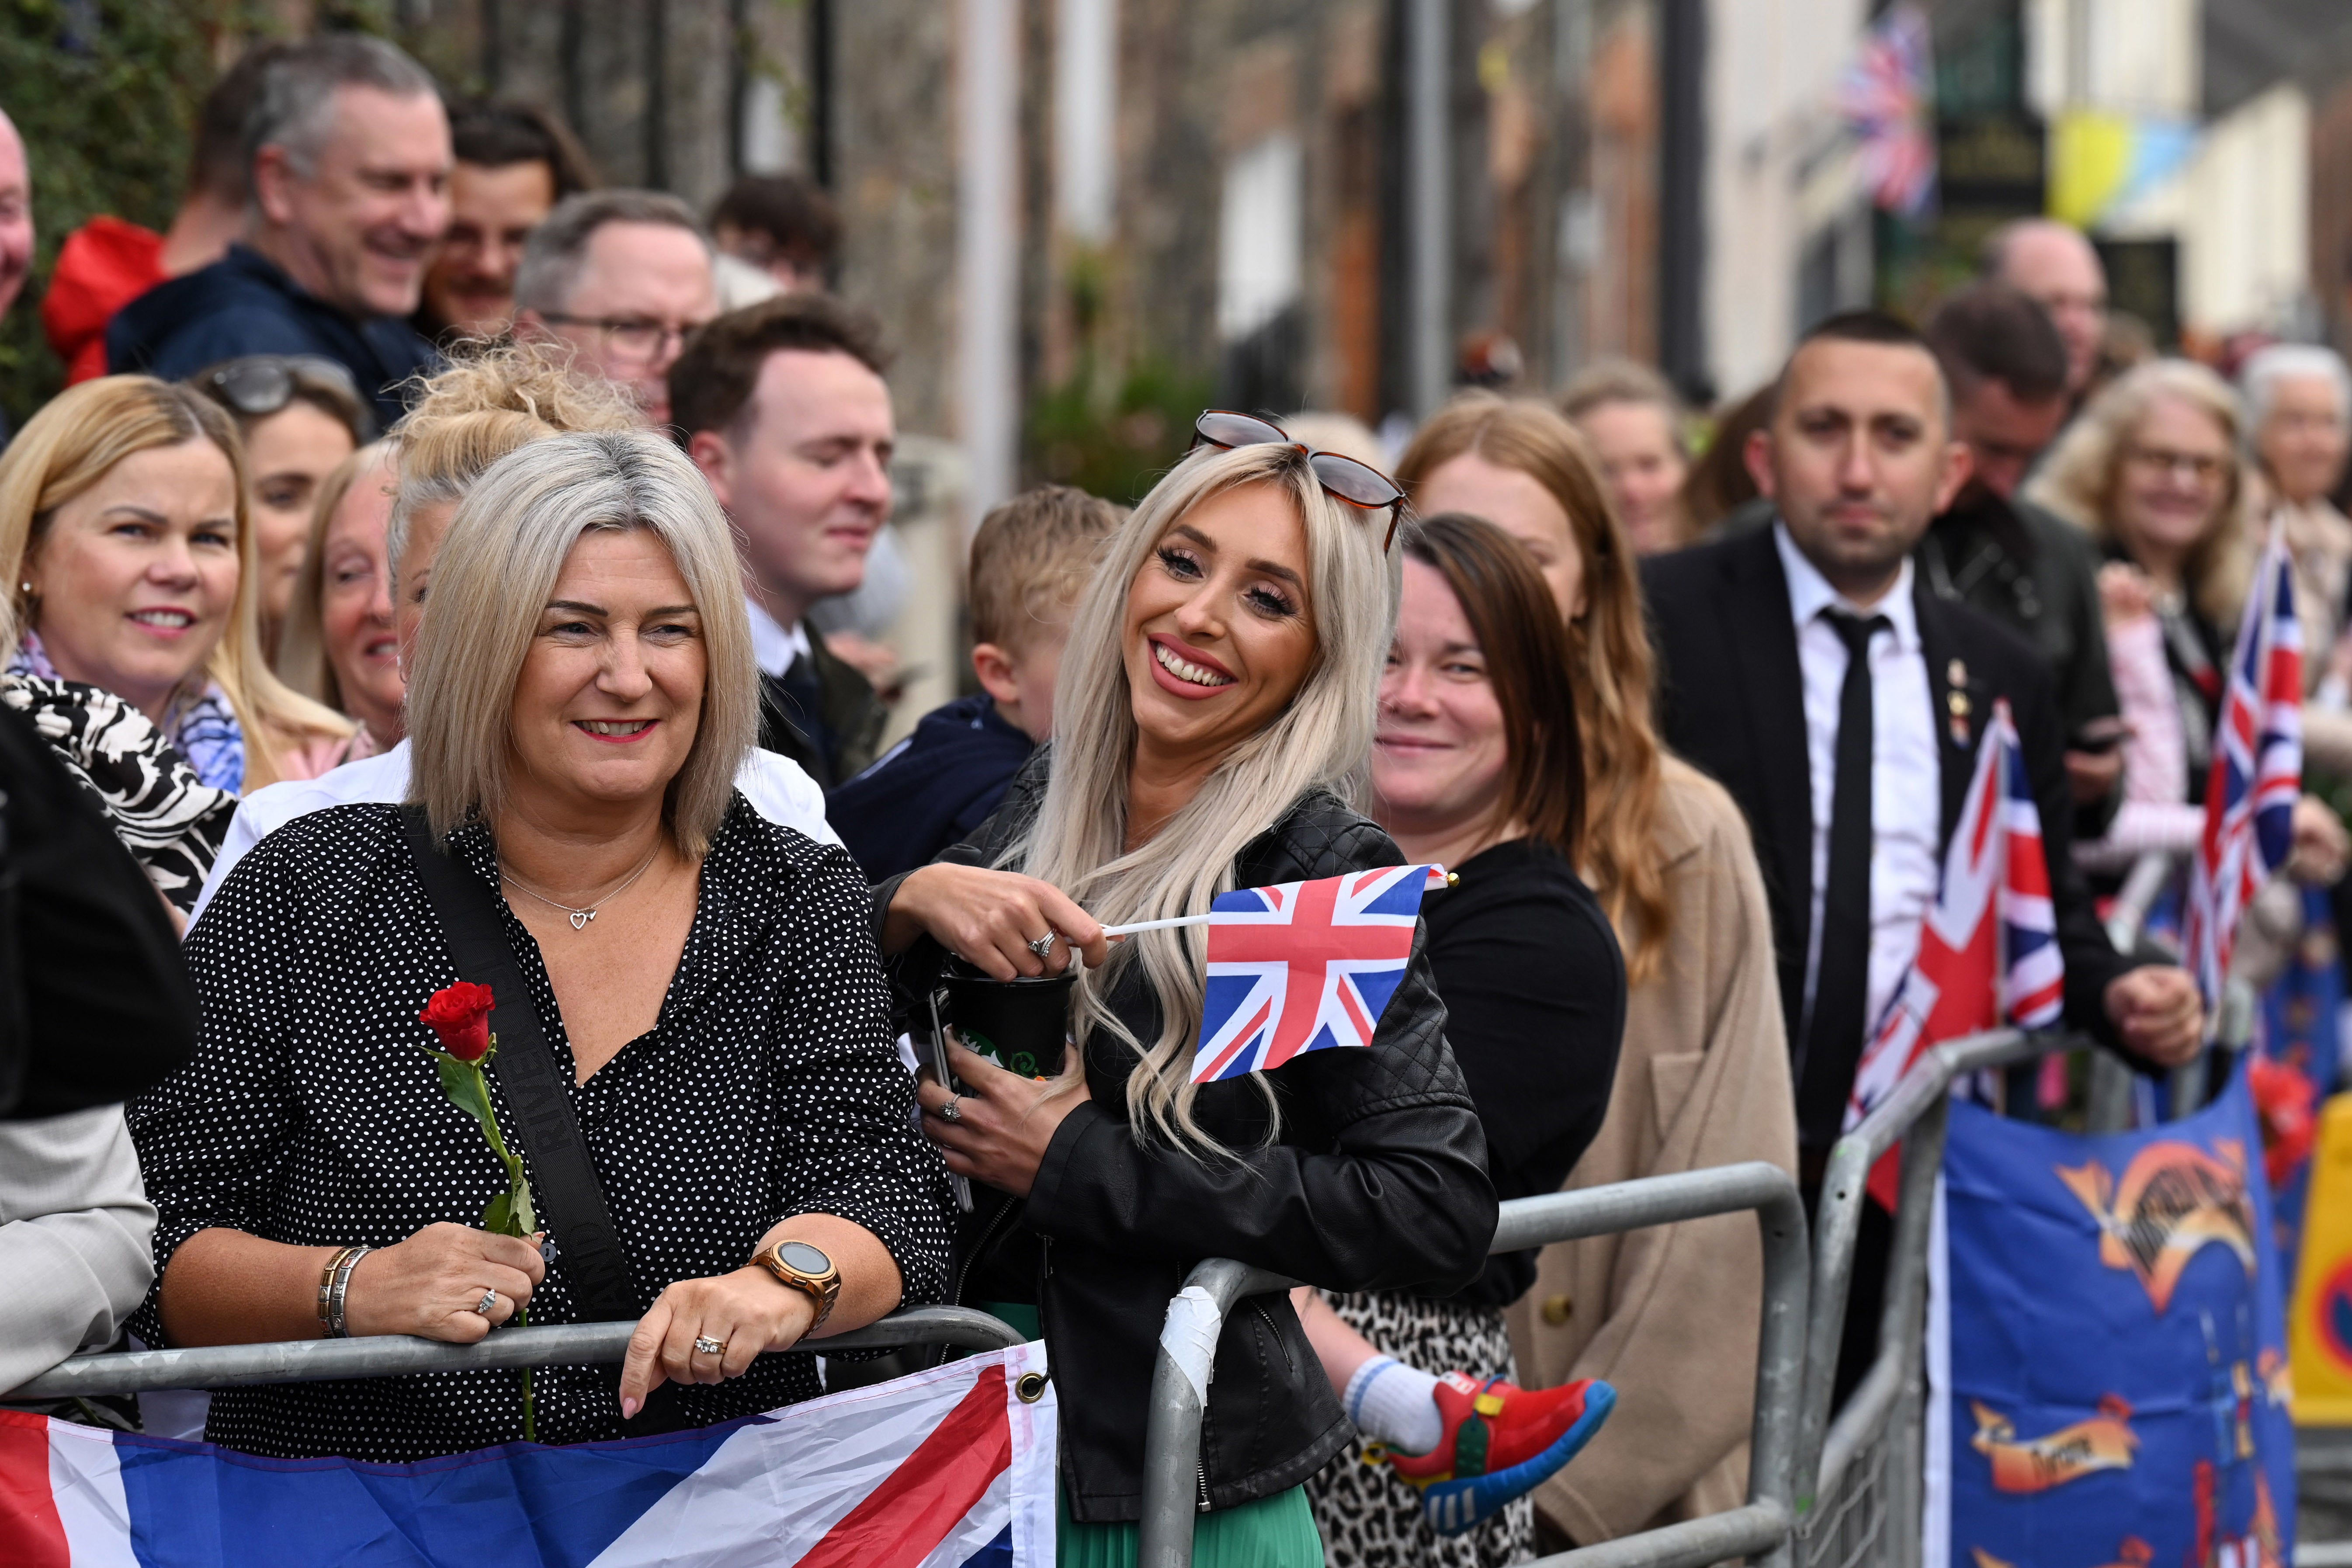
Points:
(2257, 773)
(1304, 966)
(1887, 96)
(1989, 948)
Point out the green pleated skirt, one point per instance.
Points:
(1277, 1532)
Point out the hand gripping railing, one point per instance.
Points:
(386, 1355)
(1758, 1530)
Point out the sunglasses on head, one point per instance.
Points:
(260, 384)
(1358, 484)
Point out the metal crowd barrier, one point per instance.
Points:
(1866, 1500)
(386, 1355)
(1862, 1505)
(1760, 1529)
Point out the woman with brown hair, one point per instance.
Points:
(1703, 1075)
(1475, 767)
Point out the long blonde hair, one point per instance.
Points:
(491, 576)
(1322, 740)
(2083, 471)
(1623, 860)
(72, 444)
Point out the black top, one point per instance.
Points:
(95, 1004)
(930, 790)
(1356, 1168)
(1731, 701)
(246, 304)
(1535, 1008)
(822, 713)
(768, 1086)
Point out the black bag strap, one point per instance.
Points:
(570, 1198)
(565, 1189)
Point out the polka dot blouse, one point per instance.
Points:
(768, 1086)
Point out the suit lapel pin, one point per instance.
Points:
(1958, 704)
(1956, 675)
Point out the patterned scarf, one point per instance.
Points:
(202, 727)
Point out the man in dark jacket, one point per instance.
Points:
(782, 406)
(1842, 705)
(2033, 573)
(349, 149)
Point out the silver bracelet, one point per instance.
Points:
(336, 1292)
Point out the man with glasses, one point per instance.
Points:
(348, 152)
(622, 278)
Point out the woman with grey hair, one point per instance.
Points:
(2299, 417)
(580, 695)
(1213, 722)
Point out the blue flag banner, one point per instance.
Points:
(2106, 1349)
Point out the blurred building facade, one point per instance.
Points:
(1083, 219)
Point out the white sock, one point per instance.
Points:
(1396, 1404)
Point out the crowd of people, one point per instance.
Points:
(425, 578)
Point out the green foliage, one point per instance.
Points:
(1115, 440)
(104, 93)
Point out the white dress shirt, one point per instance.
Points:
(778, 788)
(771, 644)
(1907, 779)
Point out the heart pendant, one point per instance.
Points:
(580, 918)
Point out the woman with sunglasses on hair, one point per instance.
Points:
(298, 416)
(1477, 767)
(1214, 717)
(1702, 1075)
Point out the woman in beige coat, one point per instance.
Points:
(1667, 1315)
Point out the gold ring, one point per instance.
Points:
(705, 1345)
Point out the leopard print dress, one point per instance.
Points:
(171, 821)
(1369, 1518)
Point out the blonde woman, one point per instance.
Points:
(2153, 470)
(1702, 1073)
(470, 417)
(583, 692)
(125, 546)
(1214, 717)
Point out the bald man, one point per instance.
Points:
(2051, 264)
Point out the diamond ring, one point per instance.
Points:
(488, 1304)
(951, 1111)
(705, 1345)
(1045, 944)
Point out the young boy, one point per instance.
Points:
(1029, 564)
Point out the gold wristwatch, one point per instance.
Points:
(803, 1267)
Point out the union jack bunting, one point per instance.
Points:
(2257, 773)
(1887, 96)
(1304, 966)
(1989, 948)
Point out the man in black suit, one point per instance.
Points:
(1841, 704)
(782, 406)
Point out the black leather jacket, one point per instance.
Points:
(1376, 1181)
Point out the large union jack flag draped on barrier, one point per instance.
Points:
(1989, 948)
(2257, 773)
(1304, 966)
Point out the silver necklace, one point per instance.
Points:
(581, 917)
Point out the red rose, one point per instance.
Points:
(460, 1015)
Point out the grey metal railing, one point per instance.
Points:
(1758, 1530)
(385, 1355)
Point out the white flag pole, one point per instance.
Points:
(1174, 921)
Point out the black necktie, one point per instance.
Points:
(1841, 984)
(803, 693)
